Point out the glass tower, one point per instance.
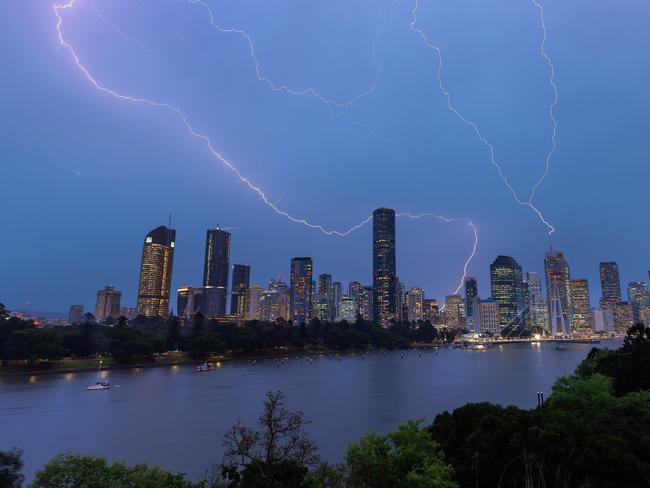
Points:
(301, 290)
(507, 285)
(156, 272)
(215, 273)
(384, 274)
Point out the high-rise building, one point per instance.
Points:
(366, 303)
(348, 309)
(188, 301)
(325, 285)
(558, 291)
(215, 273)
(487, 317)
(536, 303)
(415, 304)
(431, 311)
(274, 303)
(454, 313)
(76, 314)
(639, 298)
(301, 290)
(241, 280)
(610, 282)
(507, 285)
(580, 306)
(623, 318)
(252, 302)
(156, 272)
(384, 268)
(602, 320)
(108, 304)
(471, 294)
(354, 290)
(337, 293)
(324, 306)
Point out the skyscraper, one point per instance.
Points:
(252, 302)
(366, 308)
(454, 312)
(301, 290)
(610, 282)
(537, 306)
(558, 290)
(354, 290)
(274, 302)
(384, 272)
(507, 286)
(215, 273)
(471, 294)
(241, 277)
(639, 298)
(188, 301)
(324, 303)
(108, 304)
(337, 294)
(431, 311)
(580, 305)
(156, 272)
(415, 304)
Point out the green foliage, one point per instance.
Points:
(71, 471)
(11, 464)
(32, 343)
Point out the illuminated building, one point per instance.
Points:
(366, 307)
(252, 302)
(325, 285)
(471, 294)
(623, 318)
(602, 320)
(507, 286)
(415, 304)
(580, 305)
(215, 273)
(274, 303)
(324, 306)
(610, 283)
(400, 299)
(348, 309)
(639, 298)
(354, 290)
(536, 302)
(384, 272)
(337, 293)
(156, 272)
(108, 304)
(301, 290)
(323, 309)
(188, 301)
(241, 276)
(431, 311)
(487, 318)
(558, 290)
(454, 313)
(76, 314)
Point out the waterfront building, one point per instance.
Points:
(348, 309)
(431, 311)
(454, 313)
(471, 294)
(558, 291)
(602, 320)
(639, 298)
(354, 290)
(580, 306)
(301, 290)
(366, 303)
(506, 282)
(188, 301)
(108, 304)
(274, 303)
(610, 282)
(216, 266)
(324, 305)
(384, 272)
(415, 304)
(252, 302)
(487, 318)
(536, 302)
(337, 293)
(241, 276)
(156, 272)
(623, 318)
(75, 314)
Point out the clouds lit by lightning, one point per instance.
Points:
(473, 125)
(334, 107)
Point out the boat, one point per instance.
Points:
(479, 347)
(206, 366)
(99, 383)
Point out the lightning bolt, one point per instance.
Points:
(473, 125)
(332, 105)
(58, 8)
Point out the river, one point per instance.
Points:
(175, 417)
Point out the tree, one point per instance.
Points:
(408, 457)
(279, 454)
(68, 470)
(11, 465)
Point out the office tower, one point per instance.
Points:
(384, 272)
(487, 317)
(471, 293)
(454, 313)
(580, 305)
(108, 304)
(337, 293)
(415, 304)
(301, 290)
(536, 302)
(400, 299)
(431, 311)
(558, 291)
(76, 314)
(348, 309)
(354, 289)
(623, 317)
(602, 320)
(610, 283)
(507, 286)
(252, 302)
(241, 277)
(366, 303)
(324, 307)
(325, 285)
(215, 273)
(156, 272)
(274, 303)
(188, 301)
(639, 298)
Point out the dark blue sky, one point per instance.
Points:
(66, 234)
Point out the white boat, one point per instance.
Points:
(479, 347)
(99, 384)
(204, 367)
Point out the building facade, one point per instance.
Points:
(216, 265)
(580, 306)
(241, 280)
(301, 290)
(415, 304)
(156, 272)
(507, 284)
(108, 304)
(384, 266)
(188, 301)
(639, 298)
(558, 291)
